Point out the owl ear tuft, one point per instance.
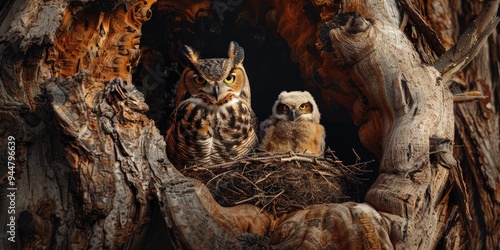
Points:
(236, 52)
(187, 56)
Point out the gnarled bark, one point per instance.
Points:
(91, 167)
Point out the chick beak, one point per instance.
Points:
(216, 92)
(293, 115)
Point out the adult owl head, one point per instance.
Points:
(213, 77)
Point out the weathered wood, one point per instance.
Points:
(138, 159)
(410, 103)
(107, 44)
(373, 110)
(470, 42)
(198, 221)
(328, 227)
(91, 167)
(477, 136)
(478, 147)
(88, 186)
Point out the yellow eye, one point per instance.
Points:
(303, 106)
(230, 78)
(198, 79)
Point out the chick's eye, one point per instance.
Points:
(303, 106)
(230, 78)
(198, 79)
(283, 107)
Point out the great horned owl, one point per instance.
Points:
(213, 121)
(293, 125)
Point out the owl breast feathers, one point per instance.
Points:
(213, 121)
(293, 125)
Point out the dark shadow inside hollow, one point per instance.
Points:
(268, 64)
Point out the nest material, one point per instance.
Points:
(279, 183)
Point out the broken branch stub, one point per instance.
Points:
(470, 42)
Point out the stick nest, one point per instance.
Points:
(279, 183)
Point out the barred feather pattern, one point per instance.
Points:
(202, 133)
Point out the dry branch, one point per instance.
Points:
(470, 42)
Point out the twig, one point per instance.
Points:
(322, 176)
(274, 198)
(468, 96)
(470, 42)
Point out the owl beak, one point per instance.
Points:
(293, 115)
(216, 92)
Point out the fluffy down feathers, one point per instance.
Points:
(294, 125)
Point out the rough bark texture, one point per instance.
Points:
(91, 169)
(478, 144)
(79, 171)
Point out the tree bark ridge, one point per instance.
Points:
(103, 164)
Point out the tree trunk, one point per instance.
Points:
(86, 168)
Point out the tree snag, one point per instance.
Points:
(91, 168)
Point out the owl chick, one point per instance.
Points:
(293, 125)
(213, 121)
